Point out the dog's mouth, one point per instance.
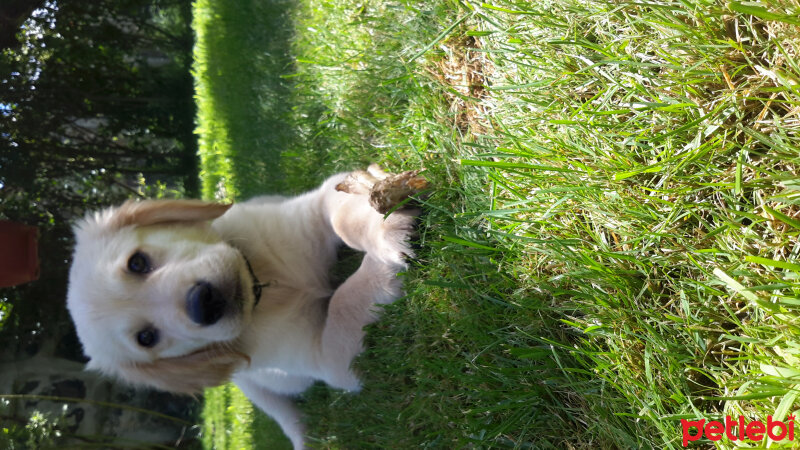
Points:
(257, 285)
(238, 296)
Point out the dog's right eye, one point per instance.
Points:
(147, 337)
(139, 263)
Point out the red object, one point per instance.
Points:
(19, 260)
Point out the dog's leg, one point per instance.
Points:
(350, 309)
(332, 214)
(279, 407)
(361, 227)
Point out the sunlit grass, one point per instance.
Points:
(612, 242)
(230, 421)
(240, 52)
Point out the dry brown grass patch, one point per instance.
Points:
(464, 69)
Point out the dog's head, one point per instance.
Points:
(157, 297)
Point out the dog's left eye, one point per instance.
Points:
(139, 263)
(147, 337)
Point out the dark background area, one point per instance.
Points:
(96, 106)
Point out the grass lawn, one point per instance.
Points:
(612, 243)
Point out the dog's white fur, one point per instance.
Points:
(300, 331)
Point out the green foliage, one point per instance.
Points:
(40, 431)
(5, 312)
(611, 244)
(90, 104)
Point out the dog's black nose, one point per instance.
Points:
(205, 304)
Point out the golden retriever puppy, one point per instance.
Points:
(183, 294)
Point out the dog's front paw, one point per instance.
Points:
(386, 190)
(398, 231)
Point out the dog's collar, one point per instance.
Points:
(257, 285)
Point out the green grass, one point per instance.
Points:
(612, 242)
(242, 114)
(230, 422)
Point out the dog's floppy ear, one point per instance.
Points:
(151, 212)
(189, 374)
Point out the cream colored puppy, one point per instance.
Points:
(182, 294)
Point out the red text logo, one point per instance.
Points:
(737, 430)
